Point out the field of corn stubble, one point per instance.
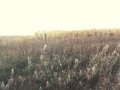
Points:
(74, 60)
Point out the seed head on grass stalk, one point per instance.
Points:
(21, 79)
(2, 85)
(7, 87)
(59, 80)
(41, 57)
(47, 84)
(10, 81)
(94, 69)
(76, 63)
(40, 88)
(12, 72)
(44, 47)
(29, 62)
(100, 54)
(69, 77)
(116, 51)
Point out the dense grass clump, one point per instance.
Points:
(69, 60)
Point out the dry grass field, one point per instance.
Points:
(61, 60)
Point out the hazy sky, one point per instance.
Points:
(18, 17)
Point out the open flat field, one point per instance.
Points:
(61, 60)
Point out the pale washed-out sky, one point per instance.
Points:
(23, 17)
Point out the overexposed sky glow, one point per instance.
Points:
(23, 17)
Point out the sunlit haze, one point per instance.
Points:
(24, 17)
